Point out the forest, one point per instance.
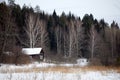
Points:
(64, 38)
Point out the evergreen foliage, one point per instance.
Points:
(68, 36)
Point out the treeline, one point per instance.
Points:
(63, 38)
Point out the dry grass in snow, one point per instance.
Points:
(58, 72)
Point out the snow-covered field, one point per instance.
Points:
(60, 76)
(45, 71)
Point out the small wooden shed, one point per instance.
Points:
(34, 53)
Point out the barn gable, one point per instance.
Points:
(34, 53)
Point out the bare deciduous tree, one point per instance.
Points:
(94, 43)
(7, 34)
(113, 41)
(36, 34)
(66, 43)
(32, 29)
(35, 30)
(44, 39)
(79, 36)
(58, 39)
(72, 38)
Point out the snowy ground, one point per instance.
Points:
(66, 72)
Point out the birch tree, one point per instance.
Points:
(32, 30)
(35, 29)
(66, 42)
(44, 39)
(58, 39)
(72, 38)
(113, 39)
(94, 43)
(79, 36)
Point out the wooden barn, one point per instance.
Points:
(36, 54)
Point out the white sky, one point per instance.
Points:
(1, 1)
(107, 9)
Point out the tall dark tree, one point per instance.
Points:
(102, 24)
(87, 21)
(51, 33)
(11, 2)
(37, 9)
(8, 30)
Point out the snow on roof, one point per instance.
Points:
(31, 51)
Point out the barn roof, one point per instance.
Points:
(31, 51)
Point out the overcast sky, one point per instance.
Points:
(107, 9)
